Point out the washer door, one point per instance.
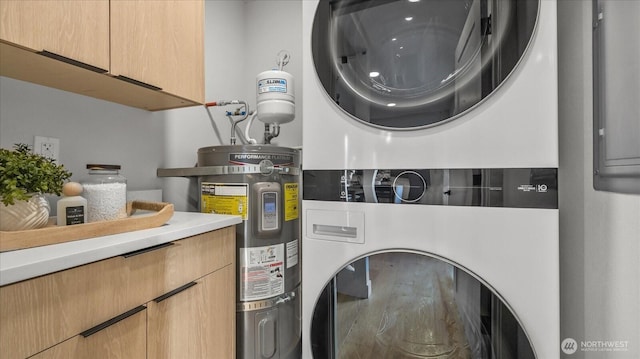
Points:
(412, 305)
(408, 64)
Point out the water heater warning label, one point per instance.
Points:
(261, 272)
(291, 210)
(225, 198)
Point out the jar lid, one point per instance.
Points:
(103, 167)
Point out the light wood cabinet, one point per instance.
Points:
(52, 310)
(185, 325)
(124, 339)
(142, 53)
(78, 30)
(160, 43)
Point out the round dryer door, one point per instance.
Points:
(408, 64)
(411, 305)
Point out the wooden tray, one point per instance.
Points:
(52, 234)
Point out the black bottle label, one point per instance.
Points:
(75, 215)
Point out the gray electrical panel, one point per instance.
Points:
(616, 75)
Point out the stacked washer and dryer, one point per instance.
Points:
(430, 220)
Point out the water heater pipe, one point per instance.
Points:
(234, 123)
(270, 134)
(246, 129)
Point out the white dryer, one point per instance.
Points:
(430, 221)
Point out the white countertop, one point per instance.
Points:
(32, 262)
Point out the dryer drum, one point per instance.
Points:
(411, 64)
(401, 304)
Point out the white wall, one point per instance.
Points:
(90, 130)
(600, 231)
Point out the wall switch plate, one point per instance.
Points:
(47, 146)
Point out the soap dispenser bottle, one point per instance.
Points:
(72, 208)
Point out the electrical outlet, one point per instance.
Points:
(47, 146)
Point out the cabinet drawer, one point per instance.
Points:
(38, 313)
(185, 261)
(124, 339)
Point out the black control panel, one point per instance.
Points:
(488, 187)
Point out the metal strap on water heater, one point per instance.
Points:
(224, 170)
(267, 303)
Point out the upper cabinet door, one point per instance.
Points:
(160, 43)
(78, 30)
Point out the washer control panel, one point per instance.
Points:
(484, 187)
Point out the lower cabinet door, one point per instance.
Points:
(196, 320)
(123, 337)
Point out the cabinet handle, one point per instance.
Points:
(146, 250)
(112, 321)
(72, 61)
(174, 292)
(139, 83)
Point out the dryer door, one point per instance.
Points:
(408, 64)
(416, 306)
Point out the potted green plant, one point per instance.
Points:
(25, 178)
